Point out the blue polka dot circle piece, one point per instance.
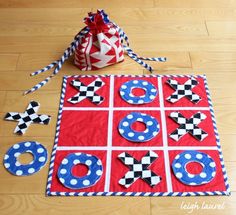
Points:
(66, 177)
(152, 127)
(12, 164)
(129, 97)
(208, 168)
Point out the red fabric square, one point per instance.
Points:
(119, 102)
(185, 102)
(78, 171)
(83, 128)
(118, 140)
(72, 91)
(217, 183)
(119, 169)
(188, 139)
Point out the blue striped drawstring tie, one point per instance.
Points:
(134, 56)
(58, 64)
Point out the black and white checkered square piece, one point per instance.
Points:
(139, 169)
(188, 126)
(183, 90)
(28, 117)
(87, 91)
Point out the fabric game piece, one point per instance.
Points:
(99, 44)
(188, 126)
(126, 131)
(87, 91)
(27, 118)
(207, 163)
(129, 97)
(183, 90)
(66, 177)
(12, 164)
(139, 169)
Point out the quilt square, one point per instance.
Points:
(146, 135)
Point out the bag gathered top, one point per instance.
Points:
(101, 43)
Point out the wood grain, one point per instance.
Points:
(38, 204)
(197, 37)
(8, 62)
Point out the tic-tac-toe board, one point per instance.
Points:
(136, 136)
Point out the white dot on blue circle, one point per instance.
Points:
(16, 146)
(63, 171)
(27, 144)
(86, 182)
(73, 181)
(187, 156)
(99, 172)
(64, 161)
(125, 124)
(88, 162)
(19, 172)
(40, 150)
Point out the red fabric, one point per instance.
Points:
(89, 128)
(101, 46)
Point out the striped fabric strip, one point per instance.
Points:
(133, 55)
(58, 64)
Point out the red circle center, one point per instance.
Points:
(138, 91)
(138, 126)
(194, 168)
(79, 170)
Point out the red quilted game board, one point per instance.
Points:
(136, 136)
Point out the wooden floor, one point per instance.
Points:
(197, 36)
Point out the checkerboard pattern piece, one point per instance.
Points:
(92, 128)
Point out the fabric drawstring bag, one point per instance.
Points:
(101, 43)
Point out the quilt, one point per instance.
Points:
(146, 135)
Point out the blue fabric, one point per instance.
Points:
(127, 87)
(94, 165)
(16, 168)
(182, 159)
(152, 127)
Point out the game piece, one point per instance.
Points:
(188, 126)
(152, 127)
(27, 118)
(13, 165)
(87, 92)
(139, 169)
(205, 176)
(128, 96)
(183, 90)
(93, 175)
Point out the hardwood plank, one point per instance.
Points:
(195, 4)
(139, 44)
(221, 28)
(74, 4)
(39, 204)
(164, 205)
(8, 61)
(147, 15)
(227, 144)
(214, 60)
(226, 119)
(136, 16)
(71, 28)
(2, 98)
